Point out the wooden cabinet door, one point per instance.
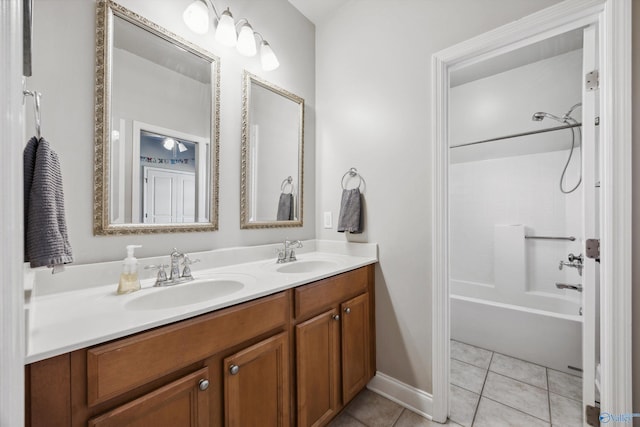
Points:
(256, 385)
(318, 368)
(355, 346)
(181, 403)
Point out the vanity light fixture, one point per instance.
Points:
(171, 144)
(229, 33)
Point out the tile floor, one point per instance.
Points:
(487, 389)
(491, 389)
(369, 409)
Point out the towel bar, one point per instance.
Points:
(571, 238)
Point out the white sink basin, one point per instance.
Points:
(184, 294)
(311, 266)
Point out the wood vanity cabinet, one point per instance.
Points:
(256, 384)
(335, 349)
(263, 363)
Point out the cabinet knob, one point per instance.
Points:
(347, 310)
(203, 384)
(336, 317)
(234, 369)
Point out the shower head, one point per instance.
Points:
(537, 117)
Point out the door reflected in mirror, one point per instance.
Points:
(272, 155)
(156, 128)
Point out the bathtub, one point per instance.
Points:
(543, 337)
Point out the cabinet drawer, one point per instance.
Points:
(311, 299)
(122, 365)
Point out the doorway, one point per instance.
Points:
(517, 162)
(511, 257)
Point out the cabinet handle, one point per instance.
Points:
(203, 384)
(336, 317)
(234, 369)
(347, 310)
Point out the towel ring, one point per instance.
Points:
(287, 181)
(352, 173)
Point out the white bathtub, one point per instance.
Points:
(542, 337)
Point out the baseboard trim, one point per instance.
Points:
(403, 394)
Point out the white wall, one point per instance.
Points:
(507, 191)
(373, 97)
(64, 62)
(503, 104)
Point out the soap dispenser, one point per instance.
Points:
(129, 280)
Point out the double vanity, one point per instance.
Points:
(261, 336)
(253, 343)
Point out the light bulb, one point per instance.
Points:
(196, 16)
(267, 57)
(226, 31)
(246, 41)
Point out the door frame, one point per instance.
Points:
(613, 18)
(12, 135)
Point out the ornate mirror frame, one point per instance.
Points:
(245, 223)
(105, 12)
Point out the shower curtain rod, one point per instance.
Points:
(515, 135)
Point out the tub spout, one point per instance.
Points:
(567, 286)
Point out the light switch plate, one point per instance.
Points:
(328, 220)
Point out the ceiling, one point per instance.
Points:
(547, 48)
(316, 10)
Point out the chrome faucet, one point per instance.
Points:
(175, 276)
(175, 264)
(287, 254)
(575, 261)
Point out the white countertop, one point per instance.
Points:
(63, 316)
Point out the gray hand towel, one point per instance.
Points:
(46, 239)
(285, 207)
(350, 218)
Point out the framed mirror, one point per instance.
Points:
(272, 155)
(156, 128)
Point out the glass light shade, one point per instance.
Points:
(181, 147)
(226, 31)
(196, 16)
(267, 57)
(246, 41)
(169, 143)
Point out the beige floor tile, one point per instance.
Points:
(519, 370)
(518, 395)
(469, 354)
(565, 412)
(411, 419)
(467, 376)
(494, 414)
(345, 420)
(462, 405)
(565, 385)
(374, 410)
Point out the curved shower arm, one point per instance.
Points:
(568, 113)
